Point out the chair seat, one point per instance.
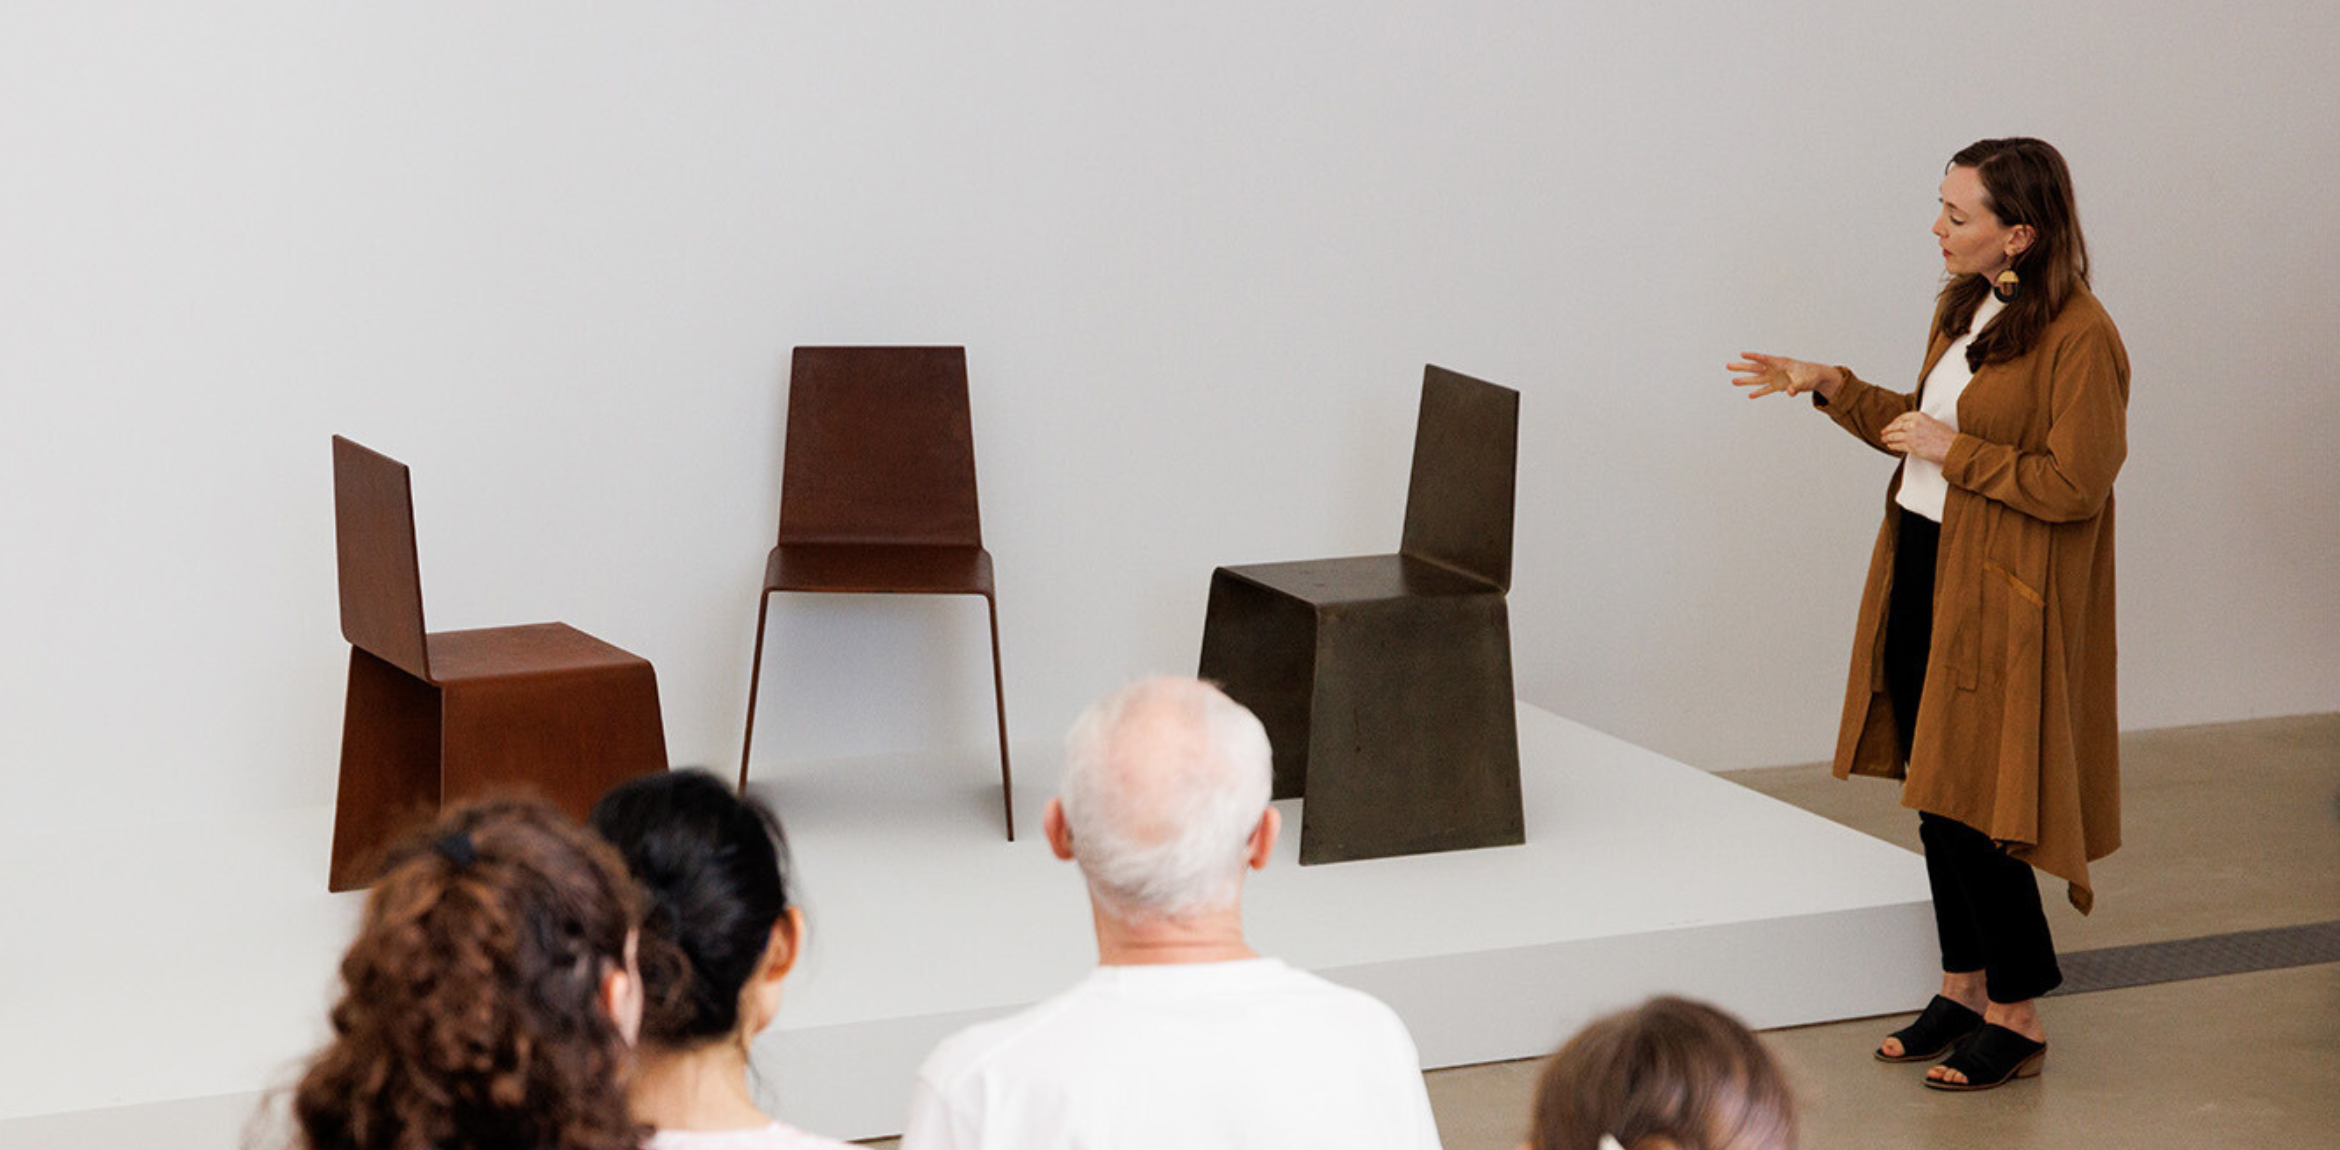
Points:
(542, 709)
(529, 650)
(1362, 579)
(904, 568)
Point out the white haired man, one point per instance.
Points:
(1183, 1037)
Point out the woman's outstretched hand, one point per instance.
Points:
(1770, 373)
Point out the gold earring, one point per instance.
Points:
(2005, 287)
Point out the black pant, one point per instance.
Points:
(1986, 904)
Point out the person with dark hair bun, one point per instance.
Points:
(721, 933)
(1983, 657)
(1670, 1074)
(489, 998)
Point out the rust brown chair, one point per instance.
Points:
(877, 495)
(1384, 681)
(434, 719)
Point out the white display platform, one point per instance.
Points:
(182, 970)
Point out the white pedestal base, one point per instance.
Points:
(180, 964)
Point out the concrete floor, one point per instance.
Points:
(2228, 827)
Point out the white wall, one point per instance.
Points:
(554, 255)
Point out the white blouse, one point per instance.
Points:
(777, 1136)
(1922, 487)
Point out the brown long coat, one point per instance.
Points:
(2016, 732)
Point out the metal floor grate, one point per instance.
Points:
(2115, 967)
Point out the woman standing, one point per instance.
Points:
(1983, 663)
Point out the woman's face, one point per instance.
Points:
(1973, 240)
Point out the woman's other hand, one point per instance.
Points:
(1769, 373)
(1919, 435)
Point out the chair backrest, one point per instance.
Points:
(880, 448)
(373, 535)
(1466, 468)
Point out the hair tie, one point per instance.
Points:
(1609, 1142)
(458, 849)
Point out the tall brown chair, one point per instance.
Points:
(434, 719)
(877, 495)
(1384, 681)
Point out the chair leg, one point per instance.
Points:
(1007, 786)
(1259, 646)
(563, 736)
(1415, 732)
(747, 741)
(389, 766)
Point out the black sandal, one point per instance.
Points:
(1940, 1028)
(1994, 1057)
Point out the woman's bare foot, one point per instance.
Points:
(1966, 990)
(2020, 1017)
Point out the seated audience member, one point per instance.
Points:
(719, 935)
(1183, 1037)
(1670, 1074)
(489, 998)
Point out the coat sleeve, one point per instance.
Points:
(1864, 409)
(2087, 438)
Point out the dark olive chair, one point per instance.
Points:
(1384, 681)
(436, 718)
(877, 496)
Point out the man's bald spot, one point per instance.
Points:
(1159, 758)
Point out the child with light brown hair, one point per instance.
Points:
(1670, 1074)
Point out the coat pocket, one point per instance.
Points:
(2022, 589)
(2014, 627)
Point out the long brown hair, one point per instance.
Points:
(471, 1015)
(1670, 1069)
(2025, 183)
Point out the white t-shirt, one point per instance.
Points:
(1180, 1056)
(1922, 487)
(777, 1136)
